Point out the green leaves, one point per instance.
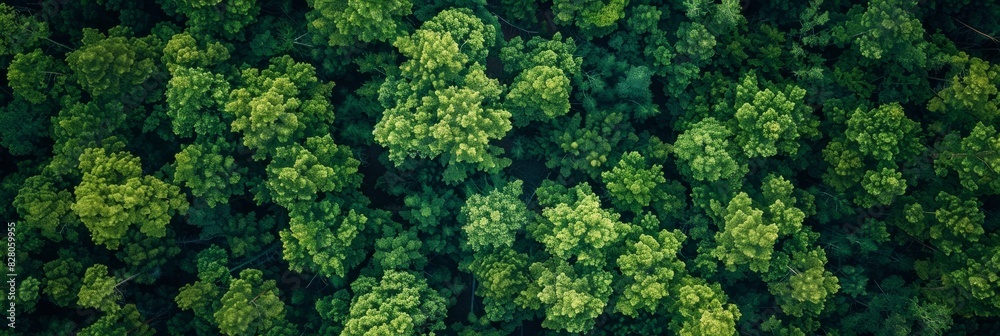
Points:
(250, 306)
(320, 237)
(571, 300)
(745, 239)
(882, 132)
(579, 228)
(888, 27)
(399, 303)
(440, 105)
(770, 122)
(340, 23)
(298, 172)
(702, 310)
(706, 154)
(46, 208)
(115, 196)
(632, 184)
(195, 98)
(882, 186)
(100, 290)
(493, 220)
(539, 94)
(651, 267)
(280, 105)
(110, 65)
(808, 286)
(225, 17)
(589, 14)
(209, 172)
(974, 92)
(976, 159)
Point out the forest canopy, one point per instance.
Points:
(495, 167)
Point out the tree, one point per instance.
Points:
(195, 98)
(882, 185)
(808, 286)
(883, 133)
(80, 126)
(340, 23)
(701, 309)
(127, 320)
(298, 172)
(589, 14)
(63, 279)
(651, 269)
(184, 51)
(577, 227)
(571, 299)
(975, 158)
(111, 65)
(544, 69)
(100, 290)
(250, 305)
(321, 238)
(745, 239)
(224, 17)
(280, 105)
(397, 304)
(492, 221)
(20, 33)
(46, 207)
(887, 27)
(960, 222)
(771, 122)
(431, 212)
(36, 76)
(632, 184)
(502, 277)
(705, 154)
(695, 42)
(975, 93)
(441, 105)
(209, 171)
(115, 196)
(538, 94)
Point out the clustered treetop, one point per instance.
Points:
(497, 167)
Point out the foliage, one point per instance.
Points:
(497, 167)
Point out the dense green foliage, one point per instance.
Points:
(494, 167)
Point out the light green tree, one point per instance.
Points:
(442, 104)
(745, 239)
(651, 269)
(493, 220)
(701, 309)
(706, 154)
(400, 303)
(100, 291)
(341, 23)
(210, 171)
(115, 196)
(320, 238)
(975, 158)
(579, 228)
(280, 105)
(633, 184)
(771, 121)
(974, 92)
(572, 300)
(250, 306)
(298, 173)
